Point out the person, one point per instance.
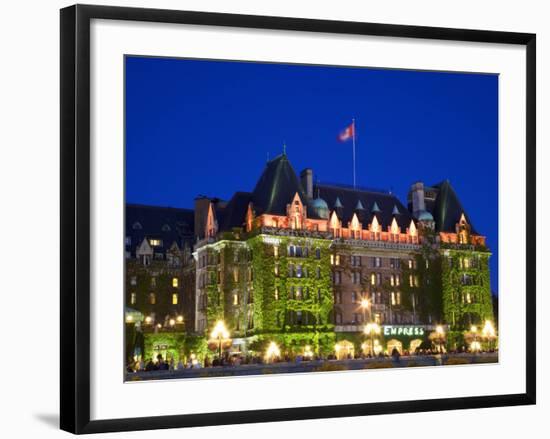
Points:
(395, 355)
(150, 366)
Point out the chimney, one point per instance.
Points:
(306, 177)
(201, 212)
(417, 197)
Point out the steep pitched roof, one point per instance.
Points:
(349, 198)
(447, 209)
(169, 224)
(234, 214)
(276, 187)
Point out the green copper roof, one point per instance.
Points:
(375, 208)
(395, 210)
(359, 205)
(338, 203)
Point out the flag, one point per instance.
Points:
(348, 133)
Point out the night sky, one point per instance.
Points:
(207, 127)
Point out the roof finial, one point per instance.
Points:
(284, 147)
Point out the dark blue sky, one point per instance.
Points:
(206, 127)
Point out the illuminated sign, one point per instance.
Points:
(410, 331)
(271, 240)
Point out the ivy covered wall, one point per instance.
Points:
(466, 288)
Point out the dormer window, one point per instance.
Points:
(136, 226)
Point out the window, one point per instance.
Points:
(128, 240)
(133, 298)
(291, 250)
(318, 253)
(331, 259)
(337, 260)
(175, 282)
(276, 293)
(376, 262)
(235, 275)
(276, 251)
(290, 270)
(152, 299)
(373, 279)
(235, 299)
(395, 263)
(155, 242)
(174, 299)
(298, 252)
(354, 297)
(133, 280)
(298, 270)
(338, 318)
(337, 278)
(276, 270)
(356, 277)
(318, 272)
(136, 226)
(153, 281)
(338, 297)
(377, 318)
(298, 293)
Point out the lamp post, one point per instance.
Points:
(364, 305)
(488, 332)
(475, 345)
(440, 336)
(219, 333)
(371, 329)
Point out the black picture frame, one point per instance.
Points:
(75, 217)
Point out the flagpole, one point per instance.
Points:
(353, 128)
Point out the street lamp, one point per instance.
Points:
(364, 305)
(272, 352)
(438, 337)
(474, 346)
(219, 333)
(489, 332)
(372, 329)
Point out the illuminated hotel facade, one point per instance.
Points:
(309, 264)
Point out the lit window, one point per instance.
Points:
(276, 293)
(153, 281)
(175, 282)
(133, 280)
(152, 298)
(276, 251)
(174, 299)
(331, 259)
(337, 260)
(373, 279)
(235, 299)
(133, 298)
(235, 275)
(155, 242)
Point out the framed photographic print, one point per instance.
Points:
(268, 218)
